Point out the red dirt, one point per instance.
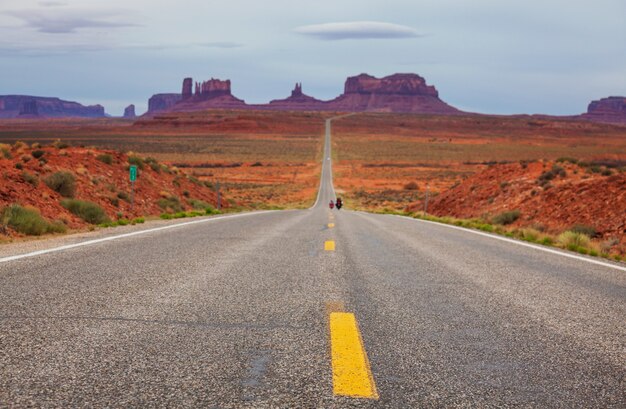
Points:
(581, 197)
(96, 181)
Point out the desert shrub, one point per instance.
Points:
(18, 165)
(38, 153)
(171, 203)
(60, 145)
(6, 151)
(88, 211)
(529, 234)
(584, 229)
(114, 201)
(25, 158)
(547, 176)
(105, 158)
(63, 183)
(211, 210)
(30, 178)
(198, 204)
(29, 221)
(566, 159)
(186, 193)
(573, 241)
(138, 220)
(154, 165)
(255, 164)
(19, 145)
(606, 172)
(506, 217)
(124, 196)
(137, 161)
(194, 180)
(411, 186)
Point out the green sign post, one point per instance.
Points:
(133, 178)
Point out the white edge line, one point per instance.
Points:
(519, 243)
(124, 235)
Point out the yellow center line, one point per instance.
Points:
(329, 245)
(331, 225)
(352, 375)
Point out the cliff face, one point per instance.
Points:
(129, 112)
(395, 93)
(162, 102)
(610, 110)
(12, 106)
(397, 84)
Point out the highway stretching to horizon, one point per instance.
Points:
(308, 308)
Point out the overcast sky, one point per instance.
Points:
(491, 56)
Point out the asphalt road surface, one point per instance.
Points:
(310, 308)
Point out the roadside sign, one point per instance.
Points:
(133, 173)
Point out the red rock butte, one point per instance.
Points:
(610, 110)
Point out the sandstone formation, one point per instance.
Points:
(213, 93)
(298, 101)
(162, 102)
(187, 86)
(129, 112)
(610, 110)
(395, 93)
(12, 106)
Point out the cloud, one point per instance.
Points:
(220, 44)
(357, 30)
(55, 23)
(52, 3)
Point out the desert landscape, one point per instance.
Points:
(312, 204)
(469, 166)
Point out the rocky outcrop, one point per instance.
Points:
(187, 87)
(397, 84)
(211, 89)
(162, 102)
(298, 101)
(129, 112)
(395, 93)
(12, 106)
(213, 93)
(609, 110)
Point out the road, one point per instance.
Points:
(309, 308)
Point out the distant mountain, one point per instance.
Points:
(395, 93)
(26, 106)
(609, 110)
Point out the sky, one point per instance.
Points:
(489, 56)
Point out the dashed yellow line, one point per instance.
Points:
(352, 375)
(329, 245)
(331, 225)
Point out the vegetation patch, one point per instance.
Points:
(88, 211)
(506, 217)
(171, 203)
(105, 158)
(28, 221)
(63, 183)
(30, 178)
